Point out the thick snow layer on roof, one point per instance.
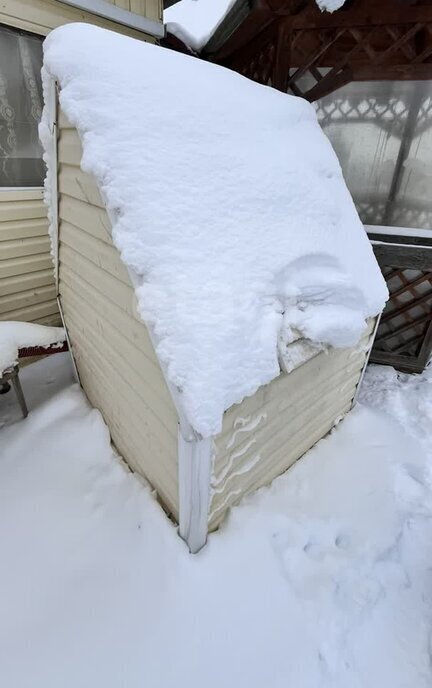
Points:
(16, 335)
(195, 21)
(228, 206)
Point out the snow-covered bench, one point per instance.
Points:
(19, 339)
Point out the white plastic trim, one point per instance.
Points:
(398, 231)
(76, 374)
(51, 107)
(119, 15)
(194, 466)
(393, 243)
(21, 188)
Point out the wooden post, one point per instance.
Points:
(281, 66)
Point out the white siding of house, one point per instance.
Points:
(265, 434)
(118, 368)
(27, 290)
(41, 16)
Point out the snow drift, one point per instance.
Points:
(228, 207)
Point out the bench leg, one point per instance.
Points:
(20, 395)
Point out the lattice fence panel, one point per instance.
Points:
(407, 318)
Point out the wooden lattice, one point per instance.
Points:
(281, 42)
(389, 113)
(404, 337)
(404, 213)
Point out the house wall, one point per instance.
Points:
(27, 290)
(41, 16)
(265, 434)
(116, 362)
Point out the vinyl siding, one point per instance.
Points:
(27, 290)
(116, 362)
(265, 434)
(41, 16)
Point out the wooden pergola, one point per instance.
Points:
(296, 48)
(278, 42)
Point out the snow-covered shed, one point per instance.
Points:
(216, 283)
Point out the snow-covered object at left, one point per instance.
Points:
(228, 207)
(15, 335)
(195, 21)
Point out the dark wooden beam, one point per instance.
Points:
(329, 83)
(378, 15)
(256, 22)
(402, 363)
(406, 72)
(281, 66)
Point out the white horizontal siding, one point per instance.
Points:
(116, 362)
(27, 290)
(265, 434)
(41, 16)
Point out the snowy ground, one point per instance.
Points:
(323, 579)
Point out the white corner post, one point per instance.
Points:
(51, 105)
(195, 465)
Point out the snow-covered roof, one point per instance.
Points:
(195, 21)
(228, 207)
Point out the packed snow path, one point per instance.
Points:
(321, 580)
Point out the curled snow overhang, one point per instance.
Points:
(228, 205)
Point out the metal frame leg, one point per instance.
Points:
(19, 393)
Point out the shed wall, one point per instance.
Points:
(118, 367)
(27, 290)
(265, 434)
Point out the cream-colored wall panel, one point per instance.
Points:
(35, 312)
(25, 258)
(69, 147)
(133, 362)
(101, 253)
(20, 194)
(74, 182)
(86, 216)
(31, 280)
(118, 367)
(23, 229)
(265, 434)
(116, 390)
(22, 266)
(116, 318)
(23, 299)
(128, 436)
(24, 247)
(21, 210)
(118, 292)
